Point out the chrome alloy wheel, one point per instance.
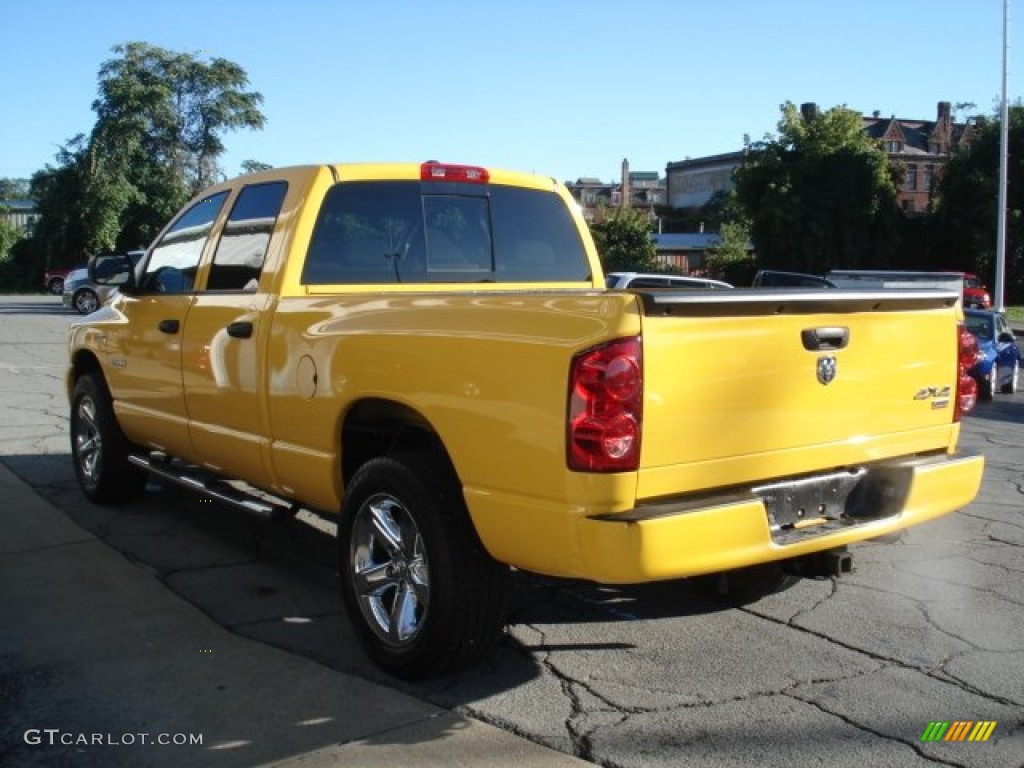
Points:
(86, 302)
(390, 574)
(88, 441)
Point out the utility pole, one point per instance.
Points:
(1004, 143)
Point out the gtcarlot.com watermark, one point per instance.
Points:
(56, 737)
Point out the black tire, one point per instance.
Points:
(98, 447)
(406, 542)
(85, 301)
(746, 585)
(56, 286)
(986, 386)
(1010, 388)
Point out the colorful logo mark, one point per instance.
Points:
(958, 730)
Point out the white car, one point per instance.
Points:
(620, 280)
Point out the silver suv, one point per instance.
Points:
(85, 296)
(620, 280)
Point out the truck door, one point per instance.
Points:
(224, 360)
(145, 351)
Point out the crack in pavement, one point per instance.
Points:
(915, 746)
(888, 661)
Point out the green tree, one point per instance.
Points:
(13, 189)
(732, 260)
(160, 119)
(964, 226)
(820, 195)
(173, 108)
(8, 236)
(59, 236)
(623, 240)
(255, 166)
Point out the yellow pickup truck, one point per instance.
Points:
(429, 352)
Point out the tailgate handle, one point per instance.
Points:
(240, 329)
(821, 339)
(167, 326)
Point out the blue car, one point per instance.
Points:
(999, 364)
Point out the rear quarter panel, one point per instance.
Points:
(487, 370)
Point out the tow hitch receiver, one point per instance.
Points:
(831, 563)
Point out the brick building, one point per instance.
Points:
(920, 147)
(635, 189)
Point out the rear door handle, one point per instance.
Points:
(824, 339)
(240, 329)
(168, 326)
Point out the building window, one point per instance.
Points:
(912, 177)
(926, 177)
(894, 146)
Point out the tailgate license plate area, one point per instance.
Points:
(815, 505)
(808, 501)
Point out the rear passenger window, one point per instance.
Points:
(246, 237)
(407, 232)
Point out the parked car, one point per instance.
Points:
(54, 278)
(85, 296)
(975, 293)
(772, 278)
(619, 280)
(998, 365)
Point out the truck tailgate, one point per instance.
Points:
(759, 384)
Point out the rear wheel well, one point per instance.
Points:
(376, 427)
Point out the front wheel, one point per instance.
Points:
(86, 301)
(423, 595)
(99, 448)
(56, 286)
(1010, 387)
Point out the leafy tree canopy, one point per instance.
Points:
(819, 195)
(731, 260)
(965, 221)
(254, 166)
(13, 189)
(160, 120)
(623, 240)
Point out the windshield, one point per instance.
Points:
(981, 326)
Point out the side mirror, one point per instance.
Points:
(112, 269)
(1006, 337)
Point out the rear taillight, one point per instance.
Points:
(444, 172)
(966, 387)
(606, 388)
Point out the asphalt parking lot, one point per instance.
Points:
(844, 672)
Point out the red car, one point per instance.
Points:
(975, 293)
(53, 278)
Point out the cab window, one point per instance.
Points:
(174, 260)
(243, 243)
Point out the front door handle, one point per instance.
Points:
(240, 329)
(168, 326)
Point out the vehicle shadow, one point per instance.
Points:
(276, 582)
(1008, 409)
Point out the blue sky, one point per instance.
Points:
(560, 87)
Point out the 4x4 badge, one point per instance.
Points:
(826, 369)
